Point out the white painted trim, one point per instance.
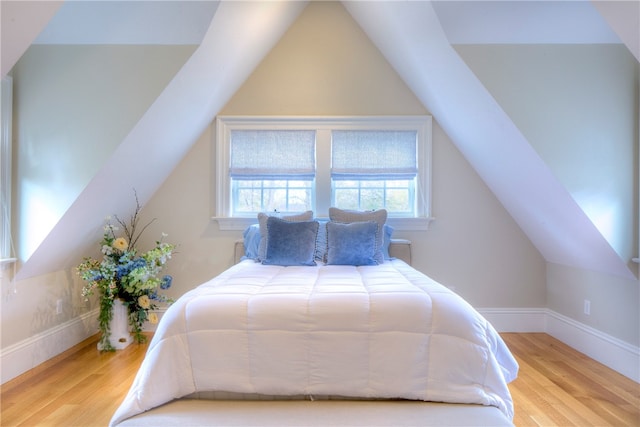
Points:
(6, 117)
(422, 124)
(27, 354)
(234, 223)
(404, 224)
(610, 351)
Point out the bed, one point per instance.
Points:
(321, 342)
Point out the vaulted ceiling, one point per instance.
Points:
(413, 36)
(464, 22)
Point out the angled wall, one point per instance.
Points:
(74, 105)
(142, 160)
(578, 107)
(411, 38)
(473, 245)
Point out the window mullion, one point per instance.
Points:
(384, 192)
(323, 172)
(287, 188)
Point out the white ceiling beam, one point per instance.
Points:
(624, 18)
(20, 23)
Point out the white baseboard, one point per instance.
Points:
(610, 351)
(25, 355)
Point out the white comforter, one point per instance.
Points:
(383, 331)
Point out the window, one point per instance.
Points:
(372, 169)
(271, 170)
(5, 167)
(294, 164)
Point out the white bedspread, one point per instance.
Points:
(384, 331)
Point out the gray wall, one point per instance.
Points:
(72, 107)
(578, 107)
(74, 104)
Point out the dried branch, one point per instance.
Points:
(130, 229)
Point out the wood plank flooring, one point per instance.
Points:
(557, 386)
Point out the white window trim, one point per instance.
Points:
(6, 100)
(225, 124)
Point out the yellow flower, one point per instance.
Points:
(153, 318)
(144, 302)
(121, 244)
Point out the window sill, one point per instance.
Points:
(231, 223)
(4, 261)
(398, 224)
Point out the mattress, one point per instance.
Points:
(371, 332)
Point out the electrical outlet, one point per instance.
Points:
(587, 307)
(59, 306)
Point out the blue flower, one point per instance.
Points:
(123, 270)
(166, 282)
(138, 263)
(126, 268)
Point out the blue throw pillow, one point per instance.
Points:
(262, 223)
(251, 237)
(321, 243)
(290, 243)
(349, 216)
(352, 244)
(388, 232)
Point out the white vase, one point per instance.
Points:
(120, 336)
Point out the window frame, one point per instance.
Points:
(6, 110)
(323, 125)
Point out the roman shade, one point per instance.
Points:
(272, 154)
(380, 155)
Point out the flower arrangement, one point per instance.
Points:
(126, 274)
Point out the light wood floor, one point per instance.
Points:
(557, 386)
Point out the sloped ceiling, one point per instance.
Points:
(412, 38)
(129, 22)
(219, 66)
(20, 24)
(522, 22)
